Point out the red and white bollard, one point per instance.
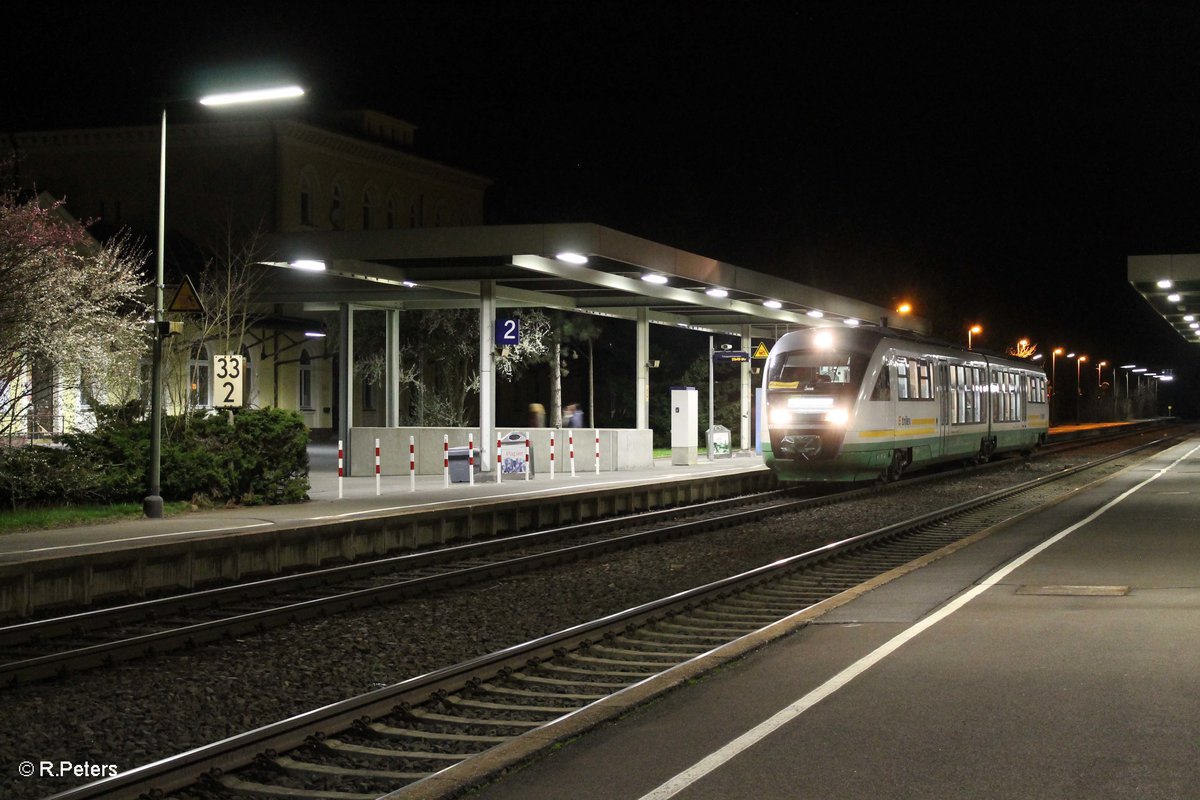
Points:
(412, 464)
(471, 458)
(445, 460)
(552, 454)
(499, 462)
(377, 468)
(597, 452)
(571, 451)
(526, 455)
(341, 453)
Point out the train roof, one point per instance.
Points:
(870, 335)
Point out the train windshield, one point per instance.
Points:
(818, 373)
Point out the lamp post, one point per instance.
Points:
(1054, 354)
(1078, 385)
(152, 504)
(971, 331)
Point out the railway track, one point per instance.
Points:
(102, 637)
(442, 722)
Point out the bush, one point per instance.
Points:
(260, 458)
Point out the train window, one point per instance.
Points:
(902, 377)
(924, 380)
(823, 373)
(883, 384)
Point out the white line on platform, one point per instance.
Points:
(714, 760)
(135, 539)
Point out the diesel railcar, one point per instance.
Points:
(854, 404)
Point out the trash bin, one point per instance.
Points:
(512, 455)
(719, 442)
(460, 465)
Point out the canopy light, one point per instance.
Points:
(1142, 369)
(1189, 317)
(252, 96)
(407, 284)
(1165, 283)
(1166, 377)
(823, 340)
(1128, 366)
(1036, 357)
(772, 304)
(315, 334)
(1070, 355)
(652, 277)
(817, 314)
(853, 323)
(716, 291)
(308, 264)
(1173, 298)
(572, 258)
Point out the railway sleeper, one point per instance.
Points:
(338, 747)
(613, 662)
(294, 767)
(681, 648)
(390, 731)
(243, 788)
(594, 673)
(493, 688)
(453, 719)
(621, 651)
(463, 702)
(549, 681)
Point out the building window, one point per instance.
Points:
(198, 382)
(368, 211)
(391, 213)
(306, 201)
(337, 210)
(306, 394)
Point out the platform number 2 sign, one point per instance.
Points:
(228, 390)
(508, 331)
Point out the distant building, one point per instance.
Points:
(352, 171)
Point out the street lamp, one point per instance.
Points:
(1078, 385)
(152, 504)
(1099, 378)
(971, 331)
(1054, 354)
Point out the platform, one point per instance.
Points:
(1055, 658)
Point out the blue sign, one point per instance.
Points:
(508, 331)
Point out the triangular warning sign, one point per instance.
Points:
(761, 350)
(186, 298)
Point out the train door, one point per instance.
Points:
(943, 393)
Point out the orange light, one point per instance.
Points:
(904, 308)
(1102, 364)
(1058, 351)
(976, 329)
(1082, 359)
(1023, 343)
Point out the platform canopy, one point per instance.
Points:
(1171, 285)
(540, 266)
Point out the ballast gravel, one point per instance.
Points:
(143, 711)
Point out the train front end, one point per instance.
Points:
(813, 386)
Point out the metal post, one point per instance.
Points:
(152, 505)
(341, 469)
(445, 460)
(412, 464)
(377, 468)
(708, 439)
(526, 455)
(471, 458)
(552, 433)
(597, 451)
(499, 461)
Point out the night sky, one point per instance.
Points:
(991, 164)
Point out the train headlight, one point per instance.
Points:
(780, 416)
(837, 416)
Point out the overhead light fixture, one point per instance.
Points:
(408, 284)
(254, 96)
(572, 258)
(1128, 366)
(1166, 377)
(1036, 357)
(653, 277)
(315, 334)
(308, 264)
(772, 304)
(1165, 283)
(812, 312)
(852, 322)
(1142, 369)
(716, 291)
(1173, 298)
(1194, 325)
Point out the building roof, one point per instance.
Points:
(1171, 285)
(445, 265)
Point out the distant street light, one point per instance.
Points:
(1078, 385)
(972, 331)
(1054, 354)
(1099, 377)
(152, 505)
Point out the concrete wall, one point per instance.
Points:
(620, 449)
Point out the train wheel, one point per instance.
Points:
(892, 473)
